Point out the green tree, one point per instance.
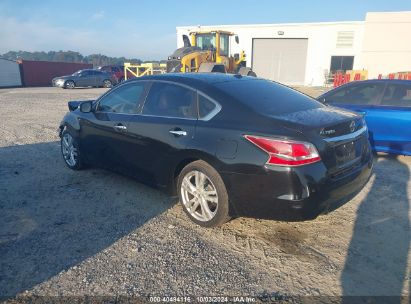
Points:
(69, 56)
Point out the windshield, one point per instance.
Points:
(76, 73)
(205, 41)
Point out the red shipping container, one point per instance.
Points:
(40, 73)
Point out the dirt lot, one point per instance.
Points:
(98, 233)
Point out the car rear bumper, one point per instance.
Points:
(294, 194)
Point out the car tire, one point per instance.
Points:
(107, 83)
(70, 151)
(70, 84)
(203, 194)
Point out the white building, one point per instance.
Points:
(9, 73)
(303, 53)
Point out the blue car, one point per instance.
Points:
(386, 105)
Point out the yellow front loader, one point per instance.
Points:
(208, 51)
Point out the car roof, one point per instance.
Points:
(198, 79)
(351, 83)
(94, 70)
(383, 80)
(397, 81)
(203, 77)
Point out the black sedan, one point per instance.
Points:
(85, 78)
(227, 145)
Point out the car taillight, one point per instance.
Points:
(286, 152)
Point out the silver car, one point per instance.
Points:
(85, 78)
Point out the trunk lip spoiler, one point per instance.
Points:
(347, 137)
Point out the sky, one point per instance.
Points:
(146, 29)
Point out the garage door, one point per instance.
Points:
(282, 60)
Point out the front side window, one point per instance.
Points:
(224, 43)
(366, 94)
(169, 100)
(397, 95)
(124, 99)
(206, 41)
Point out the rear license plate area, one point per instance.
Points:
(348, 152)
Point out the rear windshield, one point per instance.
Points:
(268, 97)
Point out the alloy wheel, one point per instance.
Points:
(69, 150)
(199, 196)
(70, 85)
(107, 83)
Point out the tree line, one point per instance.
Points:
(69, 56)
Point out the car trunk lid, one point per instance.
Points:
(340, 136)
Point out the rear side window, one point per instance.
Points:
(397, 95)
(205, 106)
(364, 94)
(124, 99)
(169, 100)
(268, 97)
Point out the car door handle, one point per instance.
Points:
(178, 132)
(120, 128)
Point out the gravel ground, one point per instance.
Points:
(94, 232)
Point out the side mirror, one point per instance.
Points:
(322, 100)
(237, 40)
(86, 107)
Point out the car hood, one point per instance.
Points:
(64, 77)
